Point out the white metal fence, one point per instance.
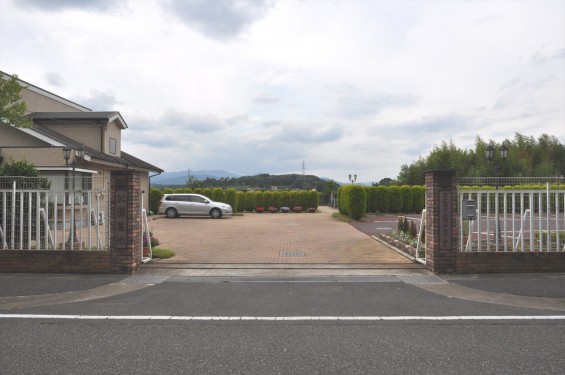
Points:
(33, 216)
(512, 220)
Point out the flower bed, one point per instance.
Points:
(399, 244)
(259, 209)
(285, 209)
(273, 209)
(311, 209)
(297, 209)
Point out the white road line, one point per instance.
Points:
(283, 318)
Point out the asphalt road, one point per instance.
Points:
(170, 328)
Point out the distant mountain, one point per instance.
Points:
(180, 178)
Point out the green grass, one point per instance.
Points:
(341, 217)
(162, 253)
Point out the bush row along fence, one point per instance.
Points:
(356, 200)
(246, 201)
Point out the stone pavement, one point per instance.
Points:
(304, 238)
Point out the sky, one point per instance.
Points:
(339, 86)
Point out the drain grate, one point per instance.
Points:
(292, 253)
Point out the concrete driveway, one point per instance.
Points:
(267, 238)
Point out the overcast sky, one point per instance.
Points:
(347, 86)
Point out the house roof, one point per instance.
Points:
(69, 116)
(56, 139)
(45, 93)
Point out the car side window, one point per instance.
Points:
(184, 198)
(171, 198)
(198, 199)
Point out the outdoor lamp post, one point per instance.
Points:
(489, 150)
(79, 153)
(353, 178)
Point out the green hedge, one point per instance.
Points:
(313, 199)
(154, 198)
(249, 201)
(352, 200)
(241, 201)
(395, 199)
(218, 195)
(259, 199)
(407, 198)
(230, 197)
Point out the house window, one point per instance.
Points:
(113, 146)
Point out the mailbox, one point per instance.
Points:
(469, 210)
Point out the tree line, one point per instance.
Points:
(262, 181)
(527, 157)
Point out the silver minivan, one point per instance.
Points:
(175, 205)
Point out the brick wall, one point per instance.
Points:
(507, 262)
(125, 242)
(55, 261)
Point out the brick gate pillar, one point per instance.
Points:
(125, 222)
(441, 221)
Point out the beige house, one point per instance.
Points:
(60, 124)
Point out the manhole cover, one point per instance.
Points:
(292, 253)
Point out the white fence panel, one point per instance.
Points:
(513, 220)
(45, 219)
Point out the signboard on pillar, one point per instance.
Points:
(121, 220)
(445, 220)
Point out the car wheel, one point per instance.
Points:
(215, 213)
(171, 213)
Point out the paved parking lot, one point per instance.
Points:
(271, 239)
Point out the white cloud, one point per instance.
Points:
(347, 86)
(220, 19)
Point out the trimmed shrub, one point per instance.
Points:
(293, 198)
(187, 191)
(382, 193)
(369, 198)
(352, 201)
(394, 199)
(207, 192)
(303, 198)
(168, 191)
(418, 198)
(154, 197)
(249, 201)
(241, 201)
(373, 200)
(277, 199)
(259, 199)
(179, 190)
(230, 197)
(357, 197)
(407, 198)
(198, 191)
(218, 195)
(285, 199)
(267, 198)
(313, 199)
